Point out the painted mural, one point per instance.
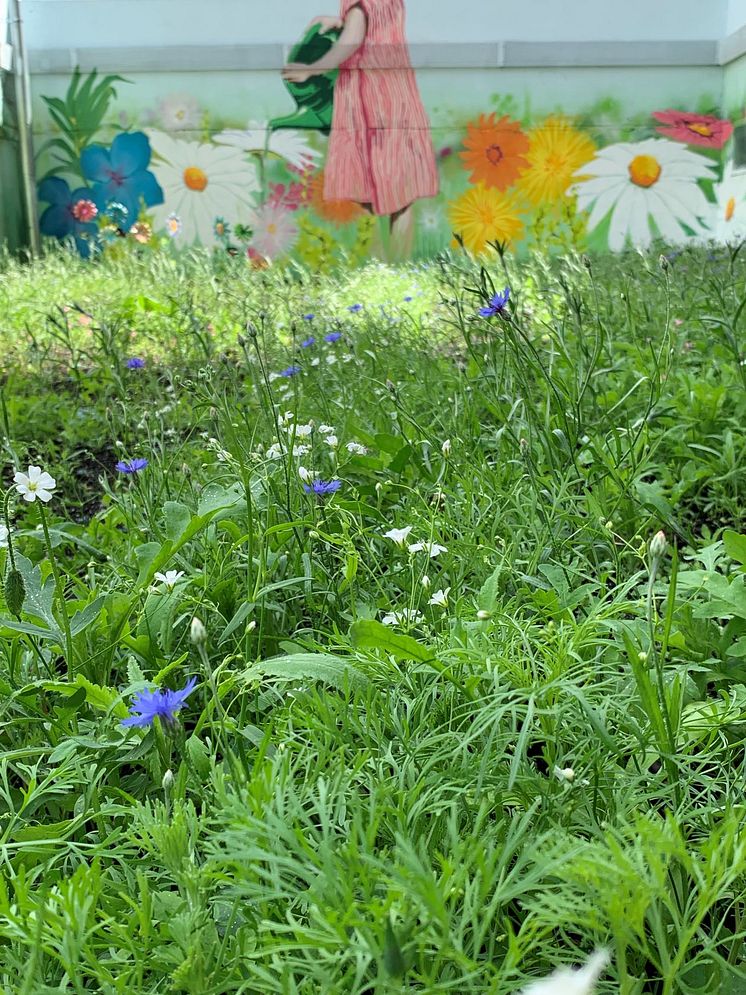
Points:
(349, 167)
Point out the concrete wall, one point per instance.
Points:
(195, 70)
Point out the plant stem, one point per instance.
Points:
(60, 592)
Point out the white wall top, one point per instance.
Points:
(80, 24)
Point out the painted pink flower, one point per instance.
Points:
(290, 196)
(694, 129)
(274, 231)
(84, 210)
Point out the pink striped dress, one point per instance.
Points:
(380, 148)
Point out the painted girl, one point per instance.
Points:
(380, 148)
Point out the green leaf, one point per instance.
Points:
(39, 594)
(735, 545)
(324, 667)
(369, 634)
(487, 597)
(401, 459)
(177, 517)
(82, 619)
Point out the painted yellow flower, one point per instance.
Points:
(485, 214)
(556, 153)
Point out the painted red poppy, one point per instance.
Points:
(694, 129)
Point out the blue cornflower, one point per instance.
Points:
(290, 371)
(308, 342)
(333, 337)
(131, 466)
(147, 705)
(322, 487)
(408, 298)
(135, 363)
(355, 308)
(308, 317)
(497, 305)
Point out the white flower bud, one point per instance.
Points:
(168, 780)
(658, 545)
(197, 632)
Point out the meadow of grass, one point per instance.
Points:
(457, 604)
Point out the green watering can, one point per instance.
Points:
(314, 99)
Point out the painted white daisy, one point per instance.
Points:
(565, 981)
(399, 536)
(179, 112)
(639, 182)
(201, 182)
(728, 220)
(274, 230)
(170, 578)
(37, 483)
(440, 598)
(290, 145)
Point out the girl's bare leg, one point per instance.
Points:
(402, 233)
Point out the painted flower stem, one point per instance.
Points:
(60, 593)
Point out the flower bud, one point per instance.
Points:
(482, 615)
(446, 448)
(197, 632)
(168, 780)
(658, 545)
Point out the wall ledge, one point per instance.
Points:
(732, 47)
(459, 55)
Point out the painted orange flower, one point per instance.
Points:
(495, 151)
(556, 152)
(339, 212)
(484, 214)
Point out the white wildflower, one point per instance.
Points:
(425, 581)
(301, 450)
(356, 448)
(564, 773)
(306, 475)
(37, 483)
(274, 451)
(565, 981)
(170, 578)
(431, 548)
(440, 598)
(406, 616)
(446, 448)
(332, 440)
(301, 431)
(399, 536)
(326, 429)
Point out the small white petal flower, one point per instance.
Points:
(331, 360)
(301, 450)
(326, 429)
(440, 598)
(306, 475)
(274, 451)
(356, 448)
(425, 581)
(37, 483)
(301, 431)
(332, 440)
(406, 616)
(564, 773)
(446, 448)
(315, 361)
(399, 536)
(3, 536)
(431, 548)
(170, 578)
(565, 981)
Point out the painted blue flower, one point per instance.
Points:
(131, 466)
(70, 212)
(164, 705)
(322, 487)
(497, 305)
(290, 371)
(308, 342)
(355, 308)
(135, 363)
(120, 173)
(333, 337)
